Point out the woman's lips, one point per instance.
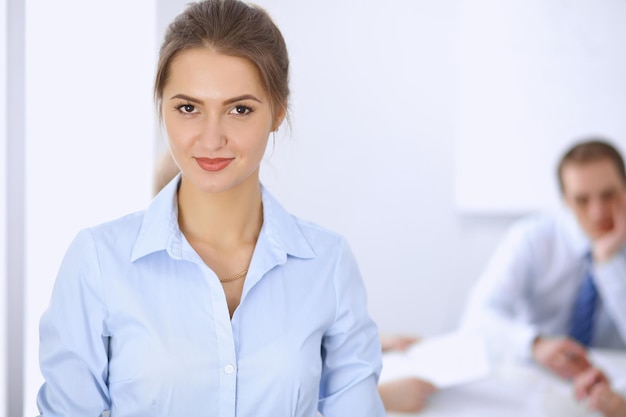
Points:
(213, 164)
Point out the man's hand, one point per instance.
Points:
(594, 387)
(607, 245)
(563, 356)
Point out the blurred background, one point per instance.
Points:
(420, 129)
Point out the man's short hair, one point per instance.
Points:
(591, 150)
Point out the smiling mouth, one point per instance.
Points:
(213, 164)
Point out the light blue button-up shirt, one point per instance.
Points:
(138, 325)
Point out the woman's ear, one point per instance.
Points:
(280, 116)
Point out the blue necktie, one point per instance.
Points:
(583, 313)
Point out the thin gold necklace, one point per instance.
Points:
(234, 277)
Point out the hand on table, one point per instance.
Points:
(406, 395)
(594, 387)
(563, 356)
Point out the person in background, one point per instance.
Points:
(407, 395)
(557, 284)
(214, 300)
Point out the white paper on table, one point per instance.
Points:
(558, 401)
(446, 360)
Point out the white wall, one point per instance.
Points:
(90, 135)
(531, 79)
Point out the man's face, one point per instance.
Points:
(593, 191)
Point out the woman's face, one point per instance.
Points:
(218, 118)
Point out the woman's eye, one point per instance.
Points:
(187, 108)
(241, 110)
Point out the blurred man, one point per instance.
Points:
(557, 284)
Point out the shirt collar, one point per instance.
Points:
(282, 229)
(160, 231)
(160, 222)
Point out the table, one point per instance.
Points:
(521, 390)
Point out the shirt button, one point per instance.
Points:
(229, 369)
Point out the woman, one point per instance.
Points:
(213, 301)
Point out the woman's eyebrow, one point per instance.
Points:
(228, 101)
(241, 98)
(186, 97)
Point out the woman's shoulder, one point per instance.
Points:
(118, 231)
(107, 244)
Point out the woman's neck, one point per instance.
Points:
(224, 219)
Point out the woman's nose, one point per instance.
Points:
(212, 135)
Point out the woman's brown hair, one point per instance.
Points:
(230, 27)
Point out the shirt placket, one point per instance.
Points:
(227, 359)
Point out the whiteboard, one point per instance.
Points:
(532, 77)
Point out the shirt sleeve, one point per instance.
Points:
(493, 302)
(350, 349)
(610, 278)
(73, 338)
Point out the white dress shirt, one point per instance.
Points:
(138, 325)
(530, 284)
